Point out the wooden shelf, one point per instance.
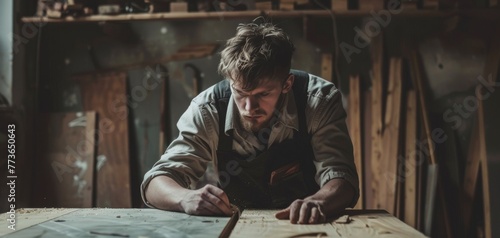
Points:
(230, 15)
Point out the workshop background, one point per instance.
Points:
(95, 88)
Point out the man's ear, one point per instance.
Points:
(288, 84)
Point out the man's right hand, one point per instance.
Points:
(164, 193)
(209, 200)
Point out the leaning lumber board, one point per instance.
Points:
(65, 162)
(106, 94)
(326, 66)
(355, 132)
(410, 177)
(339, 5)
(489, 137)
(391, 135)
(431, 185)
(367, 143)
(471, 174)
(377, 126)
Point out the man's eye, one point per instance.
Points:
(264, 94)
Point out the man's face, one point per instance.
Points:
(256, 107)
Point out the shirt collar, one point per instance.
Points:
(287, 114)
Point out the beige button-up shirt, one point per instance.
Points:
(191, 159)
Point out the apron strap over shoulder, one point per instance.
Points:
(222, 93)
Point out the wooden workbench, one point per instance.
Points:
(99, 222)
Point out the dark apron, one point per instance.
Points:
(276, 177)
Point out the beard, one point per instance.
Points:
(253, 125)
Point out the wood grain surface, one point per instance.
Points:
(106, 94)
(354, 118)
(357, 223)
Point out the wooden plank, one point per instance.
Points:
(65, 166)
(490, 165)
(391, 135)
(377, 126)
(339, 5)
(430, 4)
(165, 16)
(451, 180)
(326, 66)
(145, 87)
(399, 209)
(355, 132)
(354, 223)
(193, 51)
(431, 180)
(165, 115)
(264, 6)
(187, 52)
(123, 223)
(377, 224)
(420, 178)
(367, 145)
(409, 5)
(262, 223)
(286, 6)
(488, 141)
(420, 88)
(430, 195)
(410, 178)
(470, 179)
(106, 94)
(369, 5)
(28, 217)
(178, 7)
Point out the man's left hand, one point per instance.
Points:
(330, 200)
(307, 211)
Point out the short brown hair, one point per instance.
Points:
(256, 52)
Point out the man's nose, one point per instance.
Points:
(251, 104)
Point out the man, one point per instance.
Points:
(266, 137)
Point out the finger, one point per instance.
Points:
(207, 209)
(220, 194)
(283, 214)
(314, 216)
(221, 200)
(305, 212)
(215, 204)
(294, 211)
(322, 216)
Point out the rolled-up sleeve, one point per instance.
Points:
(330, 140)
(187, 157)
